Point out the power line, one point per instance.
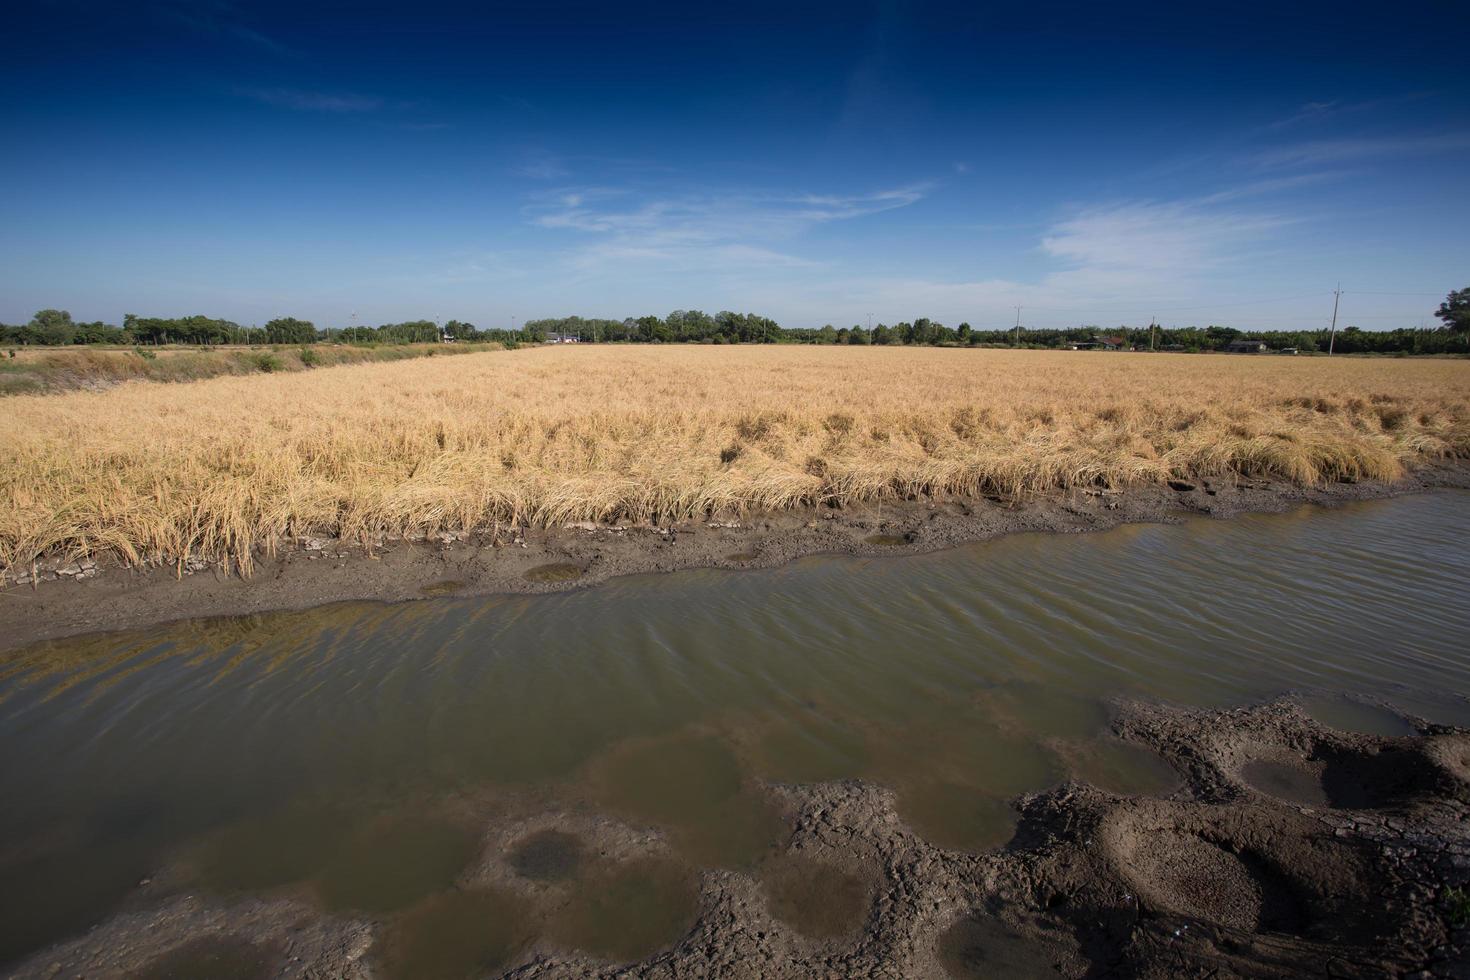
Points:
(1379, 292)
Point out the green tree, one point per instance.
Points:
(289, 330)
(1455, 310)
(54, 326)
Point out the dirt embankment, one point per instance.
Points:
(1288, 849)
(61, 598)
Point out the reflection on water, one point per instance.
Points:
(356, 754)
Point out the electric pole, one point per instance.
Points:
(1152, 328)
(1018, 327)
(1332, 337)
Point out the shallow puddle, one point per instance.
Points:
(958, 816)
(447, 587)
(629, 911)
(985, 948)
(815, 898)
(457, 935)
(273, 849)
(886, 540)
(1121, 767)
(395, 862)
(1293, 784)
(691, 786)
(1347, 715)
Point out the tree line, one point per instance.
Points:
(56, 328)
(53, 328)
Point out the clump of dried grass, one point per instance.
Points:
(222, 468)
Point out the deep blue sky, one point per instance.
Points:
(1094, 163)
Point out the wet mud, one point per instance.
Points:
(59, 598)
(1282, 848)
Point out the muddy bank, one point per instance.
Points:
(62, 598)
(1231, 874)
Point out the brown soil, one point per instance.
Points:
(1218, 879)
(66, 599)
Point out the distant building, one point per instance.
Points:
(1101, 343)
(562, 338)
(1246, 347)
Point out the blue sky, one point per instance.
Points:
(1093, 163)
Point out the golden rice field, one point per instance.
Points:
(220, 468)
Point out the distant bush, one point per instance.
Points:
(146, 355)
(310, 357)
(268, 362)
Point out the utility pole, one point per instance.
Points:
(870, 323)
(1332, 337)
(1018, 327)
(1152, 328)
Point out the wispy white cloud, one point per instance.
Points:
(1310, 112)
(1272, 185)
(542, 165)
(1145, 244)
(742, 249)
(305, 101)
(623, 257)
(726, 231)
(709, 216)
(1338, 151)
(1108, 259)
(1313, 113)
(221, 18)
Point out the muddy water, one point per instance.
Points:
(360, 756)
